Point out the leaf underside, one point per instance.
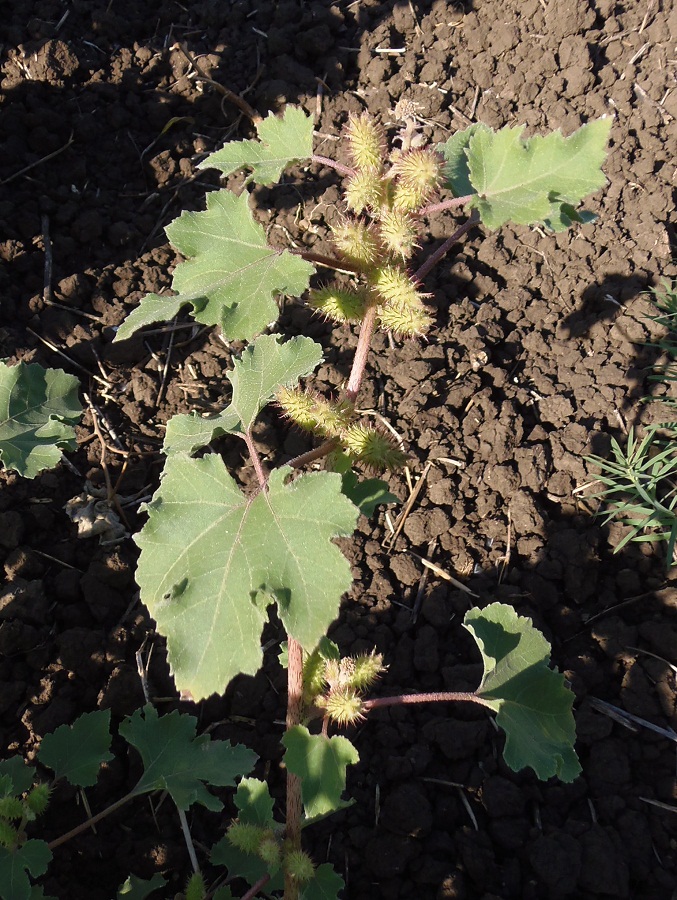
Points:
(533, 706)
(281, 142)
(230, 276)
(212, 559)
(38, 408)
(538, 180)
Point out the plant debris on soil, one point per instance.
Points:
(539, 356)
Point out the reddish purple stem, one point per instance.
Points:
(444, 248)
(325, 161)
(442, 697)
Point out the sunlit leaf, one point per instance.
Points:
(533, 705)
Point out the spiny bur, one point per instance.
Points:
(404, 320)
(417, 176)
(366, 142)
(343, 705)
(246, 837)
(357, 242)
(269, 851)
(397, 230)
(364, 191)
(367, 668)
(196, 889)
(37, 799)
(372, 447)
(9, 838)
(299, 865)
(339, 304)
(314, 413)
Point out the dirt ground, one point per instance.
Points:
(539, 357)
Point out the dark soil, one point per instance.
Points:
(539, 358)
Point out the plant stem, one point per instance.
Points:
(292, 831)
(442, 697)
(454, 203)
(312, 455)
(361, 353)
(256, 459)
(83, 826)
(444, 248)
(329, 262)
(325, 161)
(255, 888)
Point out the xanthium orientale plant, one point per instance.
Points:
(215, 557)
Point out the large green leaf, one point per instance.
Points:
(541, 179)
(15, 776)
(230, 275)
(31, 858)
(320, 762)
(37, 409)
(281, 142)
(533, 705)
(179, 761)
(212, 559)
(456, 171)
(76, 751)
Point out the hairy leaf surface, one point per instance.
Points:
(37, 409)
(540, 179)
(533, 705)
(230, 276)
(212, 560)
(76, 751)
(281, 142)
(179, 761)
(320, 762)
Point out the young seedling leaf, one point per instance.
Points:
(139, 888)
(243, 865)
(38, 408)
(266, 365)
(253, 800)
(75, 752)
(230, 275)
(281, 142)
(540, 179)
(366, 494)
(456, 169)
(32, 858)
(320, 762)
(533, 705)
(177, 760)
(15, 776)
(212, 559)
(324, 885)
(189, 432)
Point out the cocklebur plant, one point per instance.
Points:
(215, 557)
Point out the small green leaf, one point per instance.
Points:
(32, 858)
(253, 800)
(324, 885)
(212, 559)
(266, 365)
(187, 433)
(178, 761)
(366, 494)
(281, 142)
(320, 762)
(37, 409)
(230, 276)
(76, 751)
(540, 179)
(533, 705)
(138, 888)
(15, 776)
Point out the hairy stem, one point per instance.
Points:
(453, 203)
(255, 888)
(256, 460)
(325, 161)
(444, 248)
(442, 697)
(83, 826)
(361, 353)
(329, 262)
(316, 453)
(292, 830)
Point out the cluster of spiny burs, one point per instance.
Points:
(376, 238)
(21, 810)
(333, 689)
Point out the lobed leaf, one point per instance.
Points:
(15, 776)
(243, 865)
(320, 762)
(540, 179)
(189, 432)
(230, 276)
(38, 408)
(281, 142)
(324, 885)
(212, 559)
(32, 858)
(177, 760)
(533, 705)
(75, 752)
(254, 802)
